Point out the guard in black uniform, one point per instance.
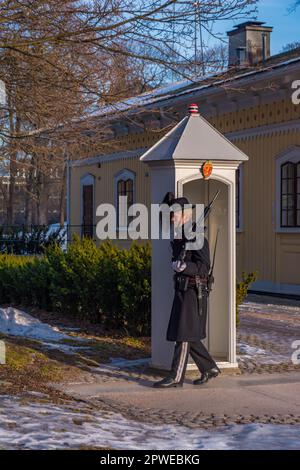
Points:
(187, 324)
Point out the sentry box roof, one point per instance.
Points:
(194, 138)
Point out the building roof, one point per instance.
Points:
(194, 138)
(250, 25)
(184, 87)
(189, 89)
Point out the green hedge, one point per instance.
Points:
(104, 284)
(242, 290)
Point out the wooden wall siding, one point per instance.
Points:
(259, 247)
(288, 258)
(240, 251)
(264, 114)
(136, 140)
(104, 184)
(269, 113)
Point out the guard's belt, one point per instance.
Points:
(193, 281)
(183, 282)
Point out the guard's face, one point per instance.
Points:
(177, 218)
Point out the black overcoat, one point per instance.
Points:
(185, 323)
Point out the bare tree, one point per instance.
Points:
(62, 60)
(294, 5)
(290, 46)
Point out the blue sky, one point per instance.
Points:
(275, 13)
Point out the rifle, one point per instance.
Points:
(211, 278)
(206, 213)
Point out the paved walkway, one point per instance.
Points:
(267, 335)
(227, 399)
(267, 389)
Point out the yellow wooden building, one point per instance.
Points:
(255, 104)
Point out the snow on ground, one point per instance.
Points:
(250, 350)
(18, 323)
(268, 328)
(259, 355)
(48, 426)
(65, 348)
(117, 363)
(270, 306)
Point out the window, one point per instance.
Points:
(287, 204)
(124, 196)
(125, 189)
(241, 55)
(87, 206)
(290, 195)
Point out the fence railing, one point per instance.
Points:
(15, 229)
(34, 238)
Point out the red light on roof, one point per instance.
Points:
(193, 109)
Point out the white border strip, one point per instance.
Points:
(109, 157)
(232, 136)
(276, 288)
(264, 130)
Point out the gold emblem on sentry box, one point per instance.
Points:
(206, 169)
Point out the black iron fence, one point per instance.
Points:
(34, 238)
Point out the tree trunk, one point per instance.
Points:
(14, 126)
(43, 199)
(63, 192)
(28, 195)
(11, 192)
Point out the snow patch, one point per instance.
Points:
(268, 307)
(118, 363)
(260, 356)
(66, 348)
(45, 427)
(18, 323)
(250, 350)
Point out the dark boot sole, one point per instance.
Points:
(167, 386)
(203, 383)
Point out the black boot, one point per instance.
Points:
(167, 382)
(207, 375)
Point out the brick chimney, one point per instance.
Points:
(249, 44)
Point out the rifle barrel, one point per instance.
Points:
(208, 208)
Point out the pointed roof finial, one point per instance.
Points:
(193, 109)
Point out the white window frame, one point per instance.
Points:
(292, 154)
(124, 174)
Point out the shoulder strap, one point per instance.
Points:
(214, 255)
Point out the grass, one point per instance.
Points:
(114, 345)
(29, 369)
(104, 348)
(31, 366)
